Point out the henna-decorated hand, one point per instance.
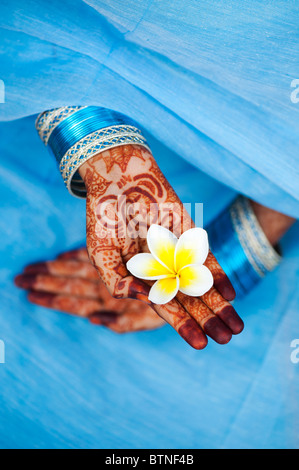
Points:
(72, 285)
(126, 193)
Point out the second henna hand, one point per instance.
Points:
(71, 285)
(117, 180)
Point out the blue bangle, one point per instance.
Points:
(241, 247)
(75, 134)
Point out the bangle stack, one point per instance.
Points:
(241, 247)
(74, 134)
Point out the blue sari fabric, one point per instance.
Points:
(211, 80)
(210, 84)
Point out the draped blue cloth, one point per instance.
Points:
(210, 83)
(209, 79)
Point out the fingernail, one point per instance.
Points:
(225, 287)
(25, 281)
(104, 317)
(193, 335)
(217, 330)
(230, 317)
(37, 268)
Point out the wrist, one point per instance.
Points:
(77, 134)
(117, 166)
(241, 246)
(274, 224)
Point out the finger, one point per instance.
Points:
(58, 285)
(61, 267)
(211, 324)
(97, 313)
(175, 314)
(221, 281)
(223, 310)
(109, 261)
(74, 305)
(129, 321)
(79, 254)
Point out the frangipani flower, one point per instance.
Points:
(175, 264)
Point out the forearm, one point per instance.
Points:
(274, 224)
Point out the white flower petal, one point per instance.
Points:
(164, 290)
(191, 248)
(195, 280)
(161, 243)
(145, 266)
